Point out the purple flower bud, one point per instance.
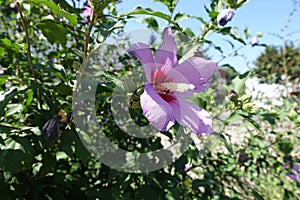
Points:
(50, 129)
(233, 96)
(296, 167)
(293, 176)
(225, 16)
(232, 92)
(286, 164)
(187, 167)
(254, 41)
(293, 173)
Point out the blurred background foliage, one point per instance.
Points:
(42, 47)
(274, 60)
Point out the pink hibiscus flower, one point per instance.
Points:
(87, 10)
(169, 83)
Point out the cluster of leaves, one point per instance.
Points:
(41, 51)
(271, 64)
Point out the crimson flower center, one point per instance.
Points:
(166, 87)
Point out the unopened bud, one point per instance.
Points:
(50, 129)
(246, 98)
(248, 107)
(225, 16)
(254, 41)
(233, 96)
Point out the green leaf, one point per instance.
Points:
(56, 9)
(13, 109)
(169, 3)
(54, 32)
(63, 89)
(238, 83)
(2, 141)
(269, 118)
(3, 79)
(49, 162)
(6, 43)
(213, 14)
(201, 182)
(227, 144)
(148, 11)
(151, 22)
(180, 16)
(234, 116)
(12, 160)
(58, 70)
(248, 118)
(5, 98)
(232, 31)
(29, 97)
(285, 145)
(148, 192)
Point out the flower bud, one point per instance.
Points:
(248, 107)
(233, 96)
(254, 41)
(50, 129)
(225, 16)
(246, 98)
(259, 34)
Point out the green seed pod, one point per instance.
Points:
(248, 107)
(246, 98)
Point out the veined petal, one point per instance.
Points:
(143, 52)
(196, 71)
(166, 54)
(192, 116)
(156, 110)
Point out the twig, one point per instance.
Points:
(87, 35)
(27, 40)
(86, 45)
(28, 49)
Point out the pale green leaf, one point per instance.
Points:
(56, 9)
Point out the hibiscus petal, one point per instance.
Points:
(166, 54)
(143, 52)
(196, 71)
(192, 116)
(156, 110)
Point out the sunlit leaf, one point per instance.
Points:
(54, 32)
(5, 98)
(56, 9)
(151, 22)
(148, 11)
(238, 83)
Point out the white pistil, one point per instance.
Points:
(178, 87)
